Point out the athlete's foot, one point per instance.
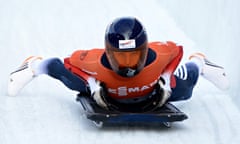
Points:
(22, 76)
(212, 72)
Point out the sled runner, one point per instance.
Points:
(164, 115)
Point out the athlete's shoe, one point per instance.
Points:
(212, 72)
(22, 76)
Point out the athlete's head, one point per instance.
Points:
(126, 46)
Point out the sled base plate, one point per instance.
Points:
(164, 115)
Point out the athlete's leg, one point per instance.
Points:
(186, 78)
(35, 66)
(55, 68)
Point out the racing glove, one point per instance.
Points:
(165, 88)
(98, 92)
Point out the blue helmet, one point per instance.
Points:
(126, 46)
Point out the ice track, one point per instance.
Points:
(46, 112)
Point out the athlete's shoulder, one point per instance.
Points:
(87, 55)
(165, 47)
(87, 61)
(167, 44)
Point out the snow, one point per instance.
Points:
(46, 111)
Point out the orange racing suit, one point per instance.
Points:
(87, 63)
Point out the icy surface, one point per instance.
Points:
(46, 112)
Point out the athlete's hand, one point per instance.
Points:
(98, 91)
(165, 88)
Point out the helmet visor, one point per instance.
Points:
(127, 59)
(122, 60)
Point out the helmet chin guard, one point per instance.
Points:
(127, 72)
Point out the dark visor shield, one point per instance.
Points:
(127, 59)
